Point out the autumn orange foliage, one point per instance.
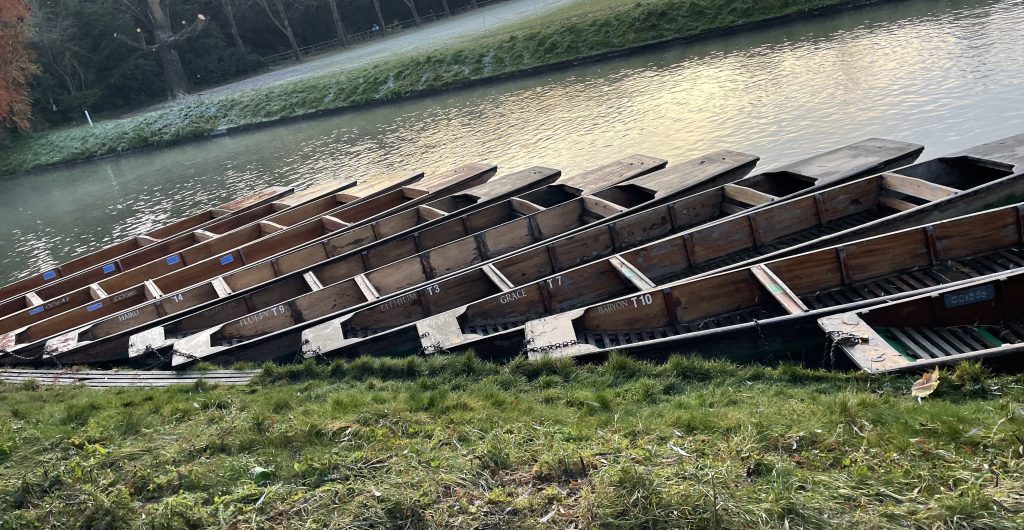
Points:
(16, 64)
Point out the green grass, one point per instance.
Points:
(572, 32)
(457, 442)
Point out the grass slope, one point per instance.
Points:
(569, 34)
(457, 442)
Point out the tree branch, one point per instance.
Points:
(189, 31)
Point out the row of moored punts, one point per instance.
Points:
(899, 266)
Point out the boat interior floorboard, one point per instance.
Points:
(612, 339)
(906, 281)
(490, 329)
(938, 342)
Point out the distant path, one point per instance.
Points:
(430, 36)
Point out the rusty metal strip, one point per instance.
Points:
(933, 247)
(841, 254)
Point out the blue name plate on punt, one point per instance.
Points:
(171, 260)
(36, 310)
(969, 296)
(108, 268)
(49, 275)
(94, 307)
(224, 260)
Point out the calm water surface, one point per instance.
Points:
(947, 74)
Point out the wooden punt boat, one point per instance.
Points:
(771, 309)
(180, 251)
(985, 176)
(495, 323)
(355, 286)
(588, 243)
(196, 221)
(246, 244)
(401, 234)
(980, 320)
(189, 244)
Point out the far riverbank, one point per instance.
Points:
(557, 43)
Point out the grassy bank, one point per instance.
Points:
(459, 442)
(569, 34)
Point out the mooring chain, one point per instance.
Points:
(760, 335)
(431, 349)
(304, 352)
(160, 357)
(550, 347)
(835, 339)
(526, 347)
(186, 355)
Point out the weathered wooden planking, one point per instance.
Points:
(975, 320)
(154, 249)
(475, 203)
(111, 252)
(559, 221)
(566, 290)
(501, 316)
(738, 314)
(279, 242)
(175, 252)
(984, 177)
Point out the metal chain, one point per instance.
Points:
(550, 347)
(432, 349)
(835, 339)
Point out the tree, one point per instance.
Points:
(16, 65)
(338, 26)
(155, 14)
(447, 12)
(60, 49)
(279, 15)
(412, 9)
(230, 8)
(380, 17)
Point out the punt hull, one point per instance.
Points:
(771, 310)
(193, 222)
(93, 302)
(391, 231)
(202, 342)
(495, 322)
(997, 167)
(558, 223)
(982, 320)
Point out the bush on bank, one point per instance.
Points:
(556, 41)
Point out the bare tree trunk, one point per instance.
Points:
(229, 13)
(281, 21)
(412, 9)
(447, 12)
(338, 26)
(380, 17)
(288, 29)
(174, 73)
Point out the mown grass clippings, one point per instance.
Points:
(566, 35)
(454, 441)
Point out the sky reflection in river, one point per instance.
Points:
(943, 73)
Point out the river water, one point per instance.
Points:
(947, 74)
